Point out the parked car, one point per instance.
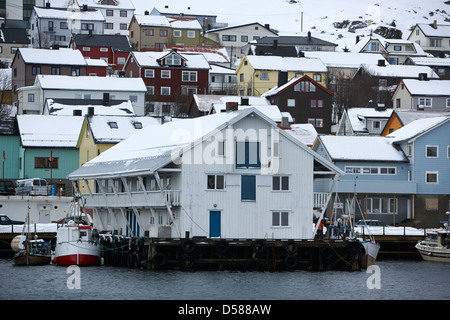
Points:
(31, 187)
(6, 188)
(374, 223)
(5, 220)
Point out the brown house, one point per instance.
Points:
(29, 62)
(306, 100)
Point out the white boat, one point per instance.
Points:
(76, 244)
(435, 246)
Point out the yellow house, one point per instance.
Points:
(258, 74)
(101, 132)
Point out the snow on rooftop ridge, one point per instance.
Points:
(428, 88)
(63, 56)
(416, 128)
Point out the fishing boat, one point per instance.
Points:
(435, 246)
(77, 243)
(28, 251)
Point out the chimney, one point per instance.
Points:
(244, 101)
(435, 24)
(285, 123)
(90, 111)
(357, 39)
(77, 113)
(231, 106)
(85, 7)
(423, 76)
(275, 44)
(90, 32)
(381, 63)
(267, 26)
(106, 99)
(309, 35)
(301, 54)
(47, 5)
(146, 12)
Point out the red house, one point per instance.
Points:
(114, 49)
(171, 79)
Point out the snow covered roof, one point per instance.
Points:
(150, 59)
(205, 102)
(398, 71)
(151, 148)
(345, 59)
(124, 108)
(428, 88)
(90, 83)
(212, 54)
(286, 63)
(152, 20)
(417, 48)
(215, 69)
(96, 62)
(365, 40)
(187, 11)
(61, 56)
(415, 128)
(77, 15)
(358, 116)
(125, 126)
(361, 148)
(118, 4)
(408, 115)
(304, 132)
(442, 30)
(184, 23)
(430, 61)
(293, 81)
(52, 131)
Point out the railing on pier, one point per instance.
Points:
(321, 199)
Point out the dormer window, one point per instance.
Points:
(113, 125)
(173, 60)
(137, 125)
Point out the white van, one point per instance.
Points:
(31, 187)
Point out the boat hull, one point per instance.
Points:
(371, 254)
(433, 254)
(77, 253)
(33, 259)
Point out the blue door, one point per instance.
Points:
(248, 188)
(214, 224)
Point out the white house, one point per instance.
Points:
(82, 87)
(50, 26)
(433, 38)
(229, 175)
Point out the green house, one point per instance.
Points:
(9, 149)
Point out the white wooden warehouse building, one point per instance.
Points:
(227, 175)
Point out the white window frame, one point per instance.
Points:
(432, 173)
(279, 219)
(215, 186)
(165, 74)
(191, 34)
(291, 103)
(165, 88)
(264, 75)
(149, 73)
(279, 180)
(189, 76)
(426, 103)
(177, 33)
(431, 146)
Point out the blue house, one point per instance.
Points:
(403, 178)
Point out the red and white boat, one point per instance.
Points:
(76, 244)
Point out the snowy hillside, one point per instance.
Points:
(321, 17)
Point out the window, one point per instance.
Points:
(432, 151)
(56, 70)
(381, 205)
(376, 124)
(247, 155)
(189, 76)
(316, 122)
(431, 177)
(149, 73)
(216, 182)
(373, 46)
(120, 60)
(31, 97)
(45, 163)
(398, 103)
(86, 48)
(448, 151)
(191, 34)
(397, 48)
(424, 103)
(370, 170)
(221, 148)
(149, 32)
(103, 49)
(90, 26)
(305, 86)
(137, 125)
(150, 90)
(123, 26)
(165, 91)
(248, 188)
(317, 77)
(188, 91)
(409, 149)
(173, 60)
(244, 38)
(50, 26)
(280, 183)
(447, 103)
(133, 98)
(316, 103)
(241, 77)
(227, 37)
(280, 219)
(113, 125)
(291, 102)
(123, 13)
(435, 42)
(177, 33)
(35, 70)
(264, 76)
(75, 71)
(63, 25)
(163, 33)
(109, 13)
(165, 74)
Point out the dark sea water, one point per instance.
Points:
(390, 280)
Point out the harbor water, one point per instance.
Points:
(389, 280)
